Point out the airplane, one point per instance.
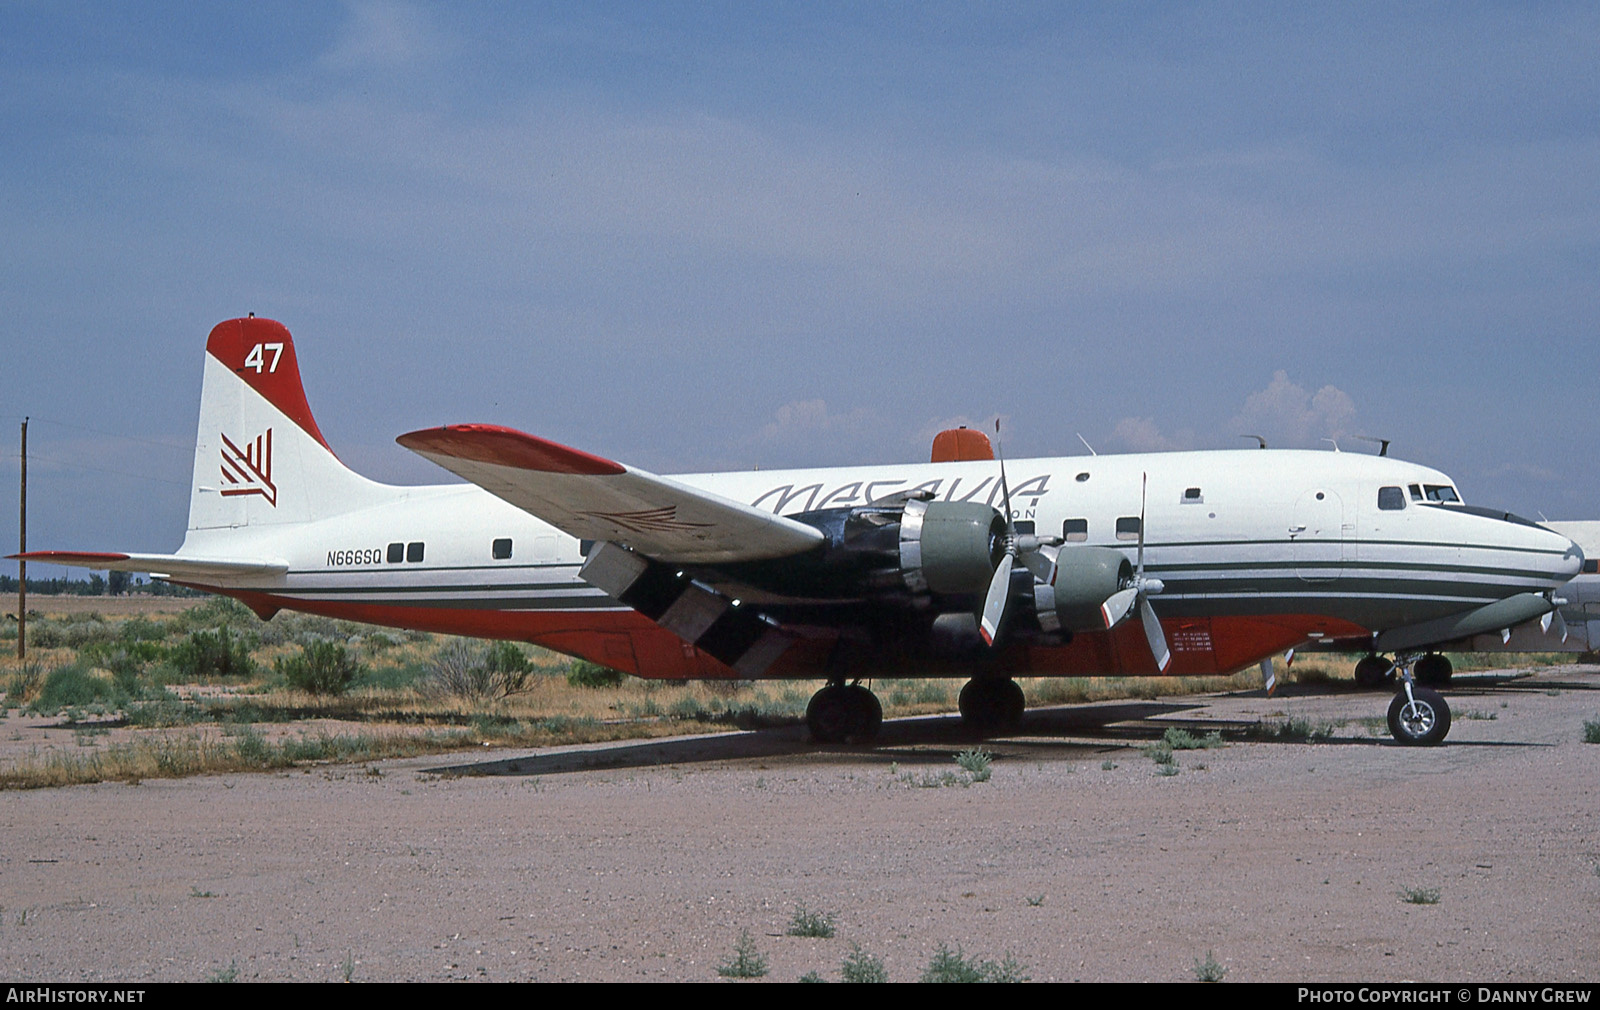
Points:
(1180, 563)
(1577, 621)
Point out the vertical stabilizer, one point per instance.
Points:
(260, 458)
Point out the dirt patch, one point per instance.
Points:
(1287, 860)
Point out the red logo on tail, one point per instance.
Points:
(249, 470)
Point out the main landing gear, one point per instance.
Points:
(850, 713)
(992, 704)
(844, 713)
(1418, 716)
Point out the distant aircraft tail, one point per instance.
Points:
(260, 459)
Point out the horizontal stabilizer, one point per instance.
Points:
(593, 498)
(170, 565)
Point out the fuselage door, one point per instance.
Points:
(1317, 535)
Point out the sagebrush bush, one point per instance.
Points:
(73, 686)
(468, 670)
(321, 668)
(218, 653)
(582, 673)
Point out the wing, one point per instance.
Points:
(593, 498)
(165, 565)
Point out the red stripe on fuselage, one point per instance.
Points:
(627, 640)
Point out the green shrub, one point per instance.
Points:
(859, 966)
(72, 686)
(1209, 970)
(948, 965)
(805, 922)
(1591, 731)
(464, 669)
(583, 673)
(139, 629)
(975, 761)
(213, 654)
(746, 962)
(220, 611)
(321, 668)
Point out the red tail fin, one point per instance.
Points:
(261, 352)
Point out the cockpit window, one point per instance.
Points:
(1442, 493)
(1391, 499)
(1416, 492)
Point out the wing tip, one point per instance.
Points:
(492, 443)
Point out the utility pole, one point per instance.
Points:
(22, 548)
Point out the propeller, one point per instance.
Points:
(999, 594)
(1019, 547)
(1136, 592)
(1554, 617)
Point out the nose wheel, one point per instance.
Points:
(1418, 716)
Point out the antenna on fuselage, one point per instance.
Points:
(1332, 443)
(1383, 443)
(1086, 444)
(1258, 438)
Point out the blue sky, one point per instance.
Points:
(699, 236)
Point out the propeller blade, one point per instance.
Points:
(1153, 632)
(1005, 489)
(1144, 486)
(1268, 677)
(1288, 659)
(1554, 618)
(994, 604)
(1117, 606)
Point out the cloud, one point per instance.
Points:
(1142, 434)
(382, 35)
(1288, 416)
(809, 433)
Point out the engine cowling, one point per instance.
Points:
(1084, 578)
(950, 548)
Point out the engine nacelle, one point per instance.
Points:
(950, 548)
(1085, 577)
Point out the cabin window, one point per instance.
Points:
(1391, 499)
(397, 553)
(414, 551)
(1442, 493)
(1192, 496)
(1075, 531)
(501, 549)
(1591, 566)
(1128, 528)
(1024, 526)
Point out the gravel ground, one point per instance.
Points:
(1286, 860)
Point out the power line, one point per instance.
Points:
(114, 434)
(97, 469)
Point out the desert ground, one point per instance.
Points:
(1287, 859)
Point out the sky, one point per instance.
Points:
(716, 236)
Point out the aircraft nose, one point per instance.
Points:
(1572, 560)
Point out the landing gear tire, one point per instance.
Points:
(841, 713)
(992, 705)
(1374, 671)
(1433, 670)
(1420, 721)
